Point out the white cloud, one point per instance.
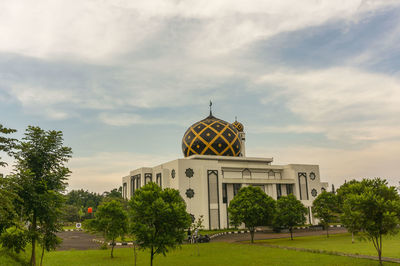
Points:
(340, 102)
(104, 171)
(100, 31)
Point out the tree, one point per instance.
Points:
(325, 208)
(195, 227)
(158, 219)
(6, 144)
(342, 194)
(71, 214)
(83, 200)
(376, 210)
(40, 173)
(290, 212)
(8, 214)
(111, 220)
(252, 207)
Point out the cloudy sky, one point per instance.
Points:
(312, 81)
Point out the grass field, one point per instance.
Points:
(341, 243)
(210, 254)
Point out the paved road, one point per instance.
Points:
(259, 236)
(82, 241)
(77, 240)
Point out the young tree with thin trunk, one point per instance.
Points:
(350, 221)
(158, 219)
(111, 220)
(252, 207)
(40, 174)
(325, 208)
(375, 211)
(290, 212)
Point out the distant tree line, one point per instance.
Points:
(77, 203)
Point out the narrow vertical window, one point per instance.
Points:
(224, 193)
(278, 191)
(132, 185)
(147, 178)
(303, 186)
(289, 189)
(138, 184)
(236, 188)
(158, 180)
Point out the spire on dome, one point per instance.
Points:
(210, 108)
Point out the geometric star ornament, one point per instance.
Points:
(189, 193)
(211, 136)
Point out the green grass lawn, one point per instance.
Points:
(210, 254)
(341, 243)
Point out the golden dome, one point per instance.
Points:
(239, 126)
(211, 136)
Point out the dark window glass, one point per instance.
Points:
(236, 188)
(289, 189)
(138, 184)
(224, 194)
(278, 190)
(158, 179)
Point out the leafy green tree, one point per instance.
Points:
(8, 214)
(375, 211)
(158, 219)
(290, 212)
(342, 193)
(325, 208)
(71, 214)
(252, 207)
(83, 200)
(6, 144)
(114, 193)
(51, 222)
(14, 239)
(111, 220)
(40, 174)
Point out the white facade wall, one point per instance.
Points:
(231, 170)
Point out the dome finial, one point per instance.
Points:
(210, 108)
(235, 118)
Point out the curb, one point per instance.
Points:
(247, 231)
(117, 243)
(229, 233)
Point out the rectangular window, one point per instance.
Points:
(224, 193)
(124, 190)
(278, 191)
(138, 184)
(289, 189)
(303, 186)
(132, 185)
(158, 179)
(236, 188)
(148, 178)
(213, 199)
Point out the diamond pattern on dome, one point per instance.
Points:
(211, 136)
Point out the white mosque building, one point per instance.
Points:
(215, 167)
